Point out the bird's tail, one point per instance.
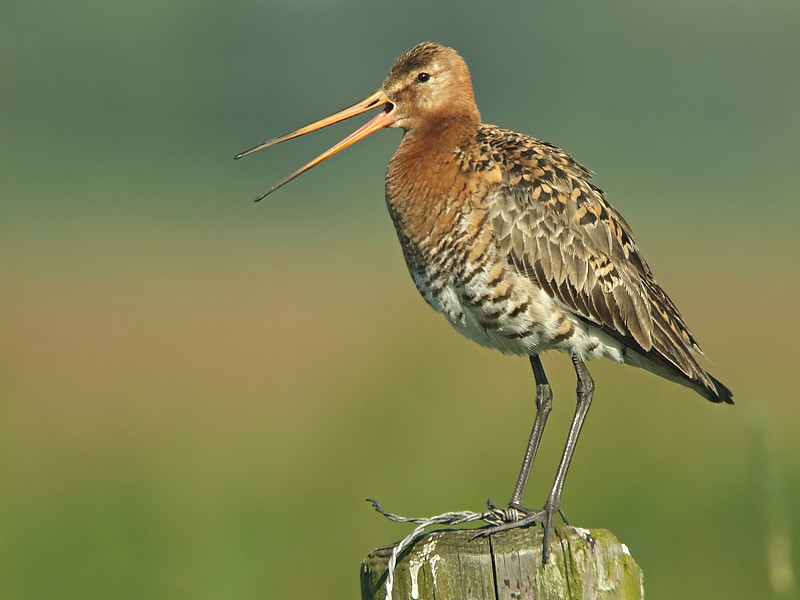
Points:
(698, 379)
(674, 353)
(719, 393)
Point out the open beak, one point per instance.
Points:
(383, 119)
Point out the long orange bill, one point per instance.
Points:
(383, 119)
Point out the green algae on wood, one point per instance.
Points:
(448, 565)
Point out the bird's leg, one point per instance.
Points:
(544, 402)
(515, 515)
(585, 391)
(518, 517)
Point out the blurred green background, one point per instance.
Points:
(198, 392)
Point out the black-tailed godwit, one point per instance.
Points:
(509, 239)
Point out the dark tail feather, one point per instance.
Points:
(720, 393)
(672, 359)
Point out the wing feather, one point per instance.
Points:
(557, 228)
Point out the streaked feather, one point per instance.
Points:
(557, 228)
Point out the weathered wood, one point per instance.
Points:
(447, 565)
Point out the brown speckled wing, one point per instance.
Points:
(556, 227)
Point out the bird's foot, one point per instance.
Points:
(499, 519)
(514, 516)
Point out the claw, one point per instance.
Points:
(523, 518)
(515, 516)
(548, 526)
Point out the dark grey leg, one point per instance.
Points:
(585, 391)
(545, 516)
(544, 402)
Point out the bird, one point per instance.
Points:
(509, 238)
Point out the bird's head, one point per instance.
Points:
(428, 85)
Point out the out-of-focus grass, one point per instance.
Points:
(196, 393)
(201, 417)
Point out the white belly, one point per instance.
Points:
(500, 324)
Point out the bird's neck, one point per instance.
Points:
(424, 176)
(446, 130)
(433, 142)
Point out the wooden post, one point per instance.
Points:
(448, 565)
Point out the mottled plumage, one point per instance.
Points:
(509, 239)
(518, 217)
(553, 225)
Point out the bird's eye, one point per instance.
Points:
(424, 77)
